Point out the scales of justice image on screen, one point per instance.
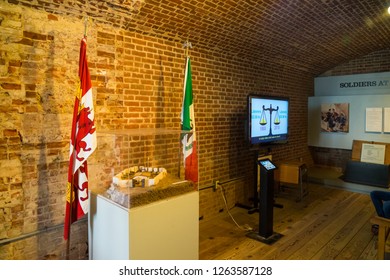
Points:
(269, 120)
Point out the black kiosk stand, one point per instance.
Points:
(266, 204)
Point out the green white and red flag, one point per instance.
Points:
(188, 128)
(82, 144)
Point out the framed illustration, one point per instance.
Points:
(335, 117)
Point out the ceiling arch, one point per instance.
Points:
(310, 35)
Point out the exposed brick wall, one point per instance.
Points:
(372, 63)
(137, 83)
(375, 62)
(334, 158)
(38, 67)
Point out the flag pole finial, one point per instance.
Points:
(187, 45)
(85, 26)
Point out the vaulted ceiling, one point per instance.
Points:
(310, 35)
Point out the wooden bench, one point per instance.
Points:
(383, 235)
(367, 173)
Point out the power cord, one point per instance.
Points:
(244, 227)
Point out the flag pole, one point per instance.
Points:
(74, 136)
(186, 45)
(83, 107)
(72, 181)
(70, 216)
(85, 27)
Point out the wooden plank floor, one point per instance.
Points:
(327, 224)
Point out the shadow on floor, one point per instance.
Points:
(331, 177)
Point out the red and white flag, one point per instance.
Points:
(188, 128)
(82, 144)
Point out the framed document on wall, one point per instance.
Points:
(386, 120)
(373, 119)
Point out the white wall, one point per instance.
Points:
(361, 92)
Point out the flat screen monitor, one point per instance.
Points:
(268, 119)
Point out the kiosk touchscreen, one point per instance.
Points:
(267, 164)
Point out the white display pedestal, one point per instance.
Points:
(164, 230)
